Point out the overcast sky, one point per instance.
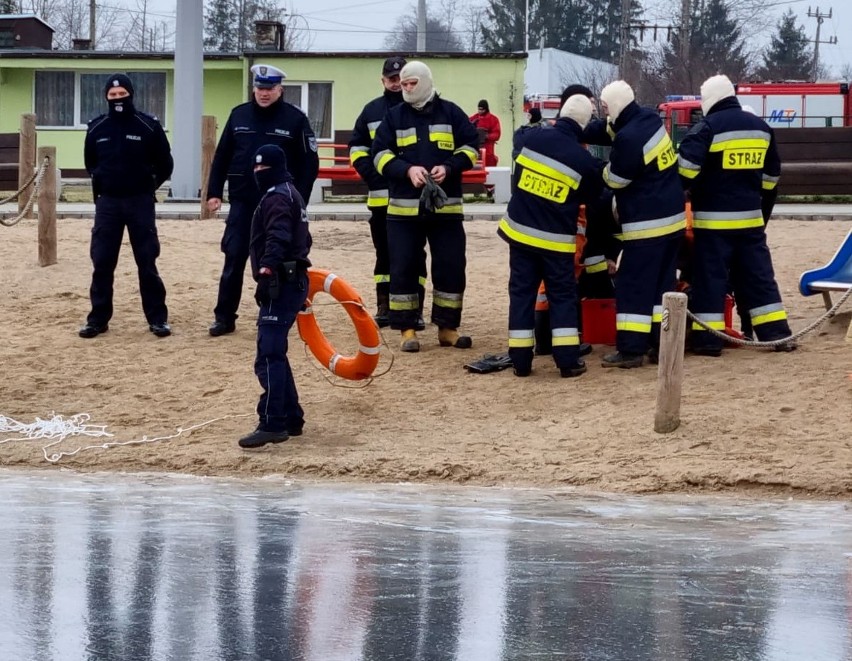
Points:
(359, 25)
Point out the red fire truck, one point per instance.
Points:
(782, 105)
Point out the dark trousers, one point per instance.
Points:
(235, 245)
(407, 239)
(112, 215)
(381, 270)
(646, 272)
(745, 256)
(278, 408)
(527, 268)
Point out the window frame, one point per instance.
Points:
(80, 123)
(304, 106)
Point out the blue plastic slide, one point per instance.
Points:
(834, 276)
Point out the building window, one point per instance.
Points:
(315, 100)
(66, 98)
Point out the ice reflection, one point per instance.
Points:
(114, 568)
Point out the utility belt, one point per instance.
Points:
(291, 271)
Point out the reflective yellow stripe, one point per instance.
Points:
(521, 338)
(470, 152)
(613, 180)
(377, 202)
(381, 278)
(397, 210)
(745, 223)
(715, 325)
(633, 326)
(778, 315)
(545, 240)
(357, 152)
(537, 166)
(408, 140)
(647, 229)
(740, 143)
(382, 160)
(767, 184)
(450, 208)
(688, 173)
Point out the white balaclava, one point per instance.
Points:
(424, 91)
(617, 96)
(714, 89)
(579, 108)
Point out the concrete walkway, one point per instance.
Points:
(358, 211)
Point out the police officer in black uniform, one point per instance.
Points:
(266, 119)
(377, 201)
(128, 157)
(279, 247)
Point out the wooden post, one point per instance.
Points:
(208, 148)
(47, 208)
(26, 156)
(670, 372)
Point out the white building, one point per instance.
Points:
(550, 70)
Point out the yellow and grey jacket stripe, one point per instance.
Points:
(381, 159)
(356, 152)
(740, 140)
(537, 238)
(442, 132)
(404, 302)
(565, 337)
(613, 180)
(657, 144)
(381, 278)
(372, 127)
(638, 323)
(657, 314)
(405, 137)
(549, 167)
(713, 320)
(687, 168)
(727, 220)
(444, 299)
(595, 264)
(451, 205)
(377, 198)
(647, 229)
(768, 183)
(470, 152)
(400, 206)
(767, 313)
(522, 339)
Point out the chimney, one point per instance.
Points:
(269, 35)
(81, 44)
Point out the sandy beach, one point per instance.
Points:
(752, 421)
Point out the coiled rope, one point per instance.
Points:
(36, 177)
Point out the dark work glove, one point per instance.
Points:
(433, 196)
(267, 289)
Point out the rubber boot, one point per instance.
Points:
(382, 316)
(410, 343)
(449, 337)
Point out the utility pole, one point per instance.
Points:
(831, 40)
(527, 27)
(421, 26)
(624, 45)
(92, 23)
(684, 32)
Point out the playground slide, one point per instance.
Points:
(834, 276)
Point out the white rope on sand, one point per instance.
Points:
(58, 428)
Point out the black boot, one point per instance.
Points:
(382, 316)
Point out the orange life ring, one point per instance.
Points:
(362, 364)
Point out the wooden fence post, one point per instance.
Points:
(47, 208)
(208, 148)
(670, 371)
(26, 156)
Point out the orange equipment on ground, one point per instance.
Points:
(364, 362)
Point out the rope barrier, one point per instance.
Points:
(773, 343)
(37, 177)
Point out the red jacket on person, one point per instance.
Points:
(489, 123)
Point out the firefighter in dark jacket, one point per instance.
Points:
(279, 247)
(422, 146)
(649, 199)
(554, 175)
(128, 157)
(729, 162)
(377, 201)
(266, 119)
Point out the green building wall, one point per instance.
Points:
(355, 80)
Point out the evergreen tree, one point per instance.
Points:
(8, 7)
(788, 57)
(716, 45)
(605, 30)
(503, 30)
(220, 34)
